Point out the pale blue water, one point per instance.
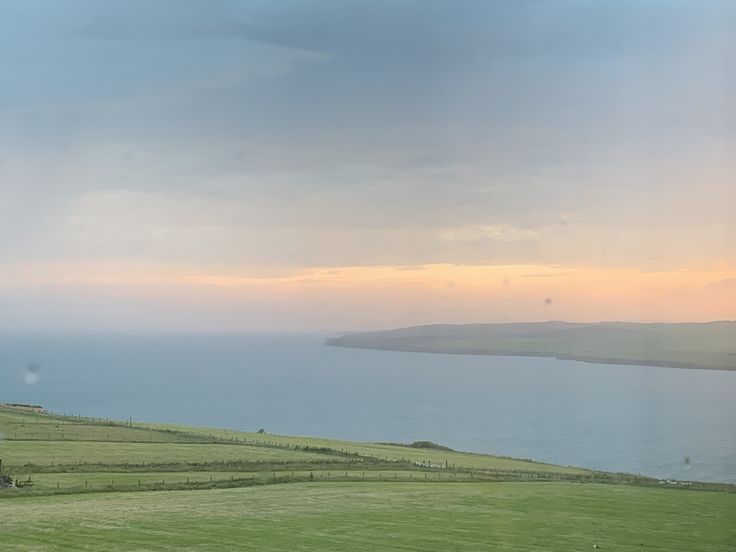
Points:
(622, 418)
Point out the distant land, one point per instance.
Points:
(709, 345)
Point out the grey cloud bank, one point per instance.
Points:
(337, 133)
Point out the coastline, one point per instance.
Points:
(335, 342)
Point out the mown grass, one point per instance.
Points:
(215, 450)
(19, 425)
(37, 439)
(44, 454)
(81, 481)
(380, 515)
(426, 457)
(230, 490)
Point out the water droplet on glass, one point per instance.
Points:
(32, 374)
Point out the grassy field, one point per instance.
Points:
(709, 345)
(370, 516)
(47, 453)
(165, 487)
(421, 456)
(186, 445)
(95, 481)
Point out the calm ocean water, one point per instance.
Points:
(656, 421)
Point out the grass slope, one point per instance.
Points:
(708, 346)
(161, 487)
(85, 441)
(389, 452)
(44, 454)
(362, 516)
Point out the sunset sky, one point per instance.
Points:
(329, 165)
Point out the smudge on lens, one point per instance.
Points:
(32, 374)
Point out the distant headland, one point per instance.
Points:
(708, 345)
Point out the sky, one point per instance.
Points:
(338, 165)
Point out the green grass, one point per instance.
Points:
(198, 488)
(19, 425)
(66, 431)
(81, 481)
(388, 452)
(710, 345)
(96, 480)
(36, 439)
(377, 516)
(48, 453)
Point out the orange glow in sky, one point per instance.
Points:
(383, 296)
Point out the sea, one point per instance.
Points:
(662, 422)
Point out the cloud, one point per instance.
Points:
(268, 136)
(493, 232)
(166, 297)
